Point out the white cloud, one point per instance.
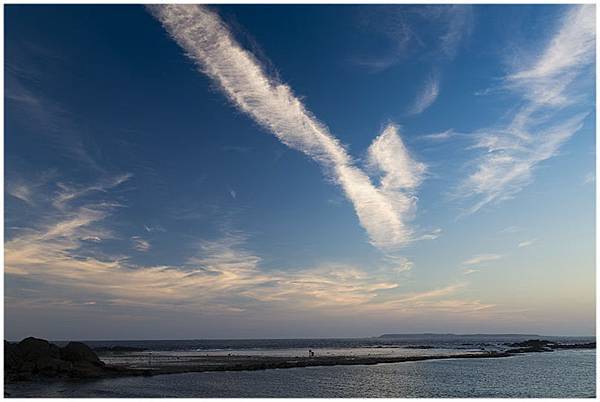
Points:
(30, 190)
(460, 21)
(398, 26)
(140, 244)
(154, 228)
(403, 266)
(21, 192)
(511, 229)
(481, 258)
(437, 300)
(272, 104)
(526, 243)
(508, 164)
(216, 278)
(69, 193)
(589, 178)
(533, 135)
(432, 235)
(427, 95)
(221, 276)
(571, 49)
(441, 136)
(389, 155)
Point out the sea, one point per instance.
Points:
(557, 374)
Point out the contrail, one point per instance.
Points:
(272, 104)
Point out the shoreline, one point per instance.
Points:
(550, 368)
(253, 363)
(35, 360)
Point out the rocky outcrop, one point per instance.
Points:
(542, 345)
(589, 345)
(38, 357)
(79, 352)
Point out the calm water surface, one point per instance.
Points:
(568, 373)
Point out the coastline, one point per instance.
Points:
(34, 359)
(565, 373)
(252, 363)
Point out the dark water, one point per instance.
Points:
(433, 340)
(563, 373)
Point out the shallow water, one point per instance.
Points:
(566, 373)
(147, 359)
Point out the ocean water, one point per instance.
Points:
(563, 373)
(434, 340)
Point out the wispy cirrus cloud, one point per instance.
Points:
(547, 84)
(398, 25)
(69, 193)
(459, 19)
(440, 136)
(545, 79)
(511, 229)
(43, 113)
(427, 96)
(154, 228)
(526, 243)
(482, 258)
(443, 299)
(20, 191)
(383, 212)
(28, 188)
(140, 244)
(53, 257)
(469, 265)
(447, 27)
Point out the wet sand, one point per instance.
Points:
(175, 364)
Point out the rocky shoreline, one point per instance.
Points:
(35, 359)
(541, 345)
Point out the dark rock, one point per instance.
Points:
(79, 352)
(532, 343)
(27, 367)
(530, 350)
(531, 346)
(21, 376)
(34, 357)
(51, 366)
(590, 345)
(12, 356)
(542, 345)
(33, 349)
(85, 369)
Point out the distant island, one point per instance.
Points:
(433, 335)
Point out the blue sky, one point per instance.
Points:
(297, 171)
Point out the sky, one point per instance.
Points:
(269, 171)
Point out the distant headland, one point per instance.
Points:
(440, 335)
